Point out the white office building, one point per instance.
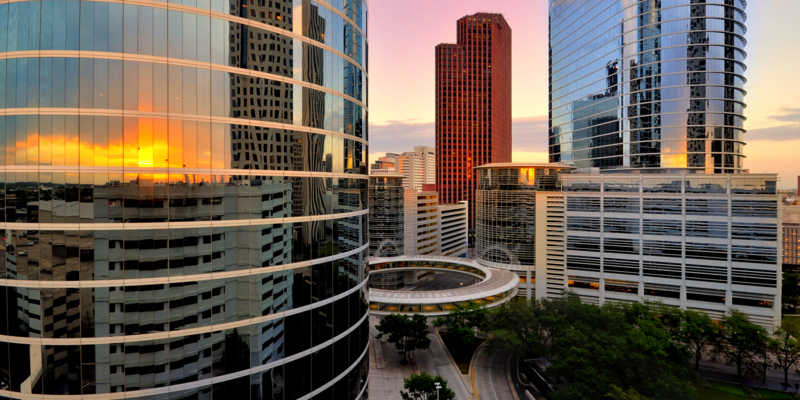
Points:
(705, 242)
(418, 166)
(453, 228)
(698, 241)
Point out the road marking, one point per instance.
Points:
(474, 386)
(491, 381)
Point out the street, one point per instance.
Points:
(490, 376)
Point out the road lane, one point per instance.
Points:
(490, 376)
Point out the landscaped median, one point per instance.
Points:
(462, 353)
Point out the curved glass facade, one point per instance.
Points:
(185, 199)
(653, 84)
(505, 227)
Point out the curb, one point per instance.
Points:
(508, 376)
(472, 360)
(450, 356)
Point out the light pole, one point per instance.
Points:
(438, 386)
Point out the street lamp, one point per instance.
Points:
(438, 386)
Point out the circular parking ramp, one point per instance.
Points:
(497, 286)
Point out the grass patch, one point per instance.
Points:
(730, 388)
(462, 355)
(732, 391)
(711, 394)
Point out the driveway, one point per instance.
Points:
(490, 376)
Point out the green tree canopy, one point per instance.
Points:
(516, 327)
(618, 350)
(462, 321)
(617, 393)
(790, 291)
(423, 387)
(742, 343)
(698, 332)
(785, 349)
(407, 334)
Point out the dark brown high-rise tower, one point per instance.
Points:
(473, 105)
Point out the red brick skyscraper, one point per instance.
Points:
(473, 105)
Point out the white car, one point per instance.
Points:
(23, 253)
(30, 243)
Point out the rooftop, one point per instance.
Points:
(524, 165)
(386, 175)
(496, 281)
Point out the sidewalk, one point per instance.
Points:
(727, 373)
(387, 373)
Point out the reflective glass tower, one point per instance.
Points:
(473, 105)
(184, 193)
(648, 85)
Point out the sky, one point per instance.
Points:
(403, 35)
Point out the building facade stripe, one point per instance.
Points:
(223, 16)
(165, 280)
(174, 61)
(179, 333)
(206, 382)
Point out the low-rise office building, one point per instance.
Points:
(704, 242)
(422, 222)
(453, 228)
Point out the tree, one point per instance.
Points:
(462, 322)
(786, 350)
(791, 289)
(617, 351)
(742, 343)
(423, 387)
(407, 334)
(516, 327)
(617, 393)
(698, 332)
(791, 325)
(555, 313)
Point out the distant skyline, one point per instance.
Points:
(403, 36)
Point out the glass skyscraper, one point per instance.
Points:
(648, 85)
(184, 188)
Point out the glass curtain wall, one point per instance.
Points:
(505, 222)
(648, 85)
(184, 189)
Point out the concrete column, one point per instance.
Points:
(528, 282)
